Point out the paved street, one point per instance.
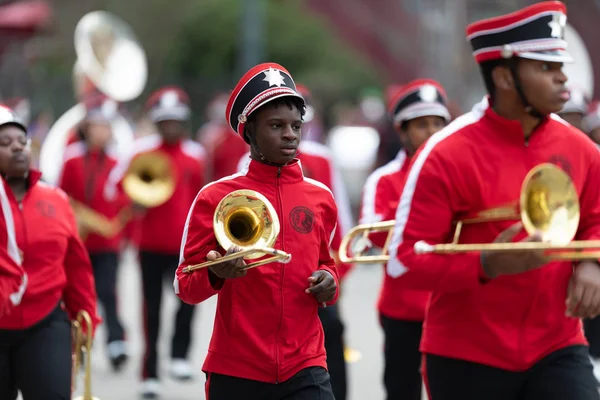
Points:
(358, 304)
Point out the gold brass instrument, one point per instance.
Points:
(83, 318)
(91, 221)
(245, 218)
(150, 179)
(548, 205)
(110, 57)
(360, 244)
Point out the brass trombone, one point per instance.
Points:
(83, 318)
(90, 220)
(548, 205)
(246, 218)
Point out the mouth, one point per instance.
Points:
(289, 151)
(20, 158)
(564, 95)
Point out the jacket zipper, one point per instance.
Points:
(282, 241)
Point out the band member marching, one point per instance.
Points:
(317, 163)
(502, 324)
(159, 228)
(418, 110)
(35, 337)
(267, 340)
(83, 177)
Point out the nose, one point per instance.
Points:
(289, 134)
(561, 77)
(17, 146)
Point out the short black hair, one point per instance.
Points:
(289, 101)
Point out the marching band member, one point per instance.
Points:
(35, 337)
(160, 228)
(502, 325)
(317, 163)
(418, 110)
(267, 341)
(575, 109)
(83, 177)
(222, 144)
(591, 123)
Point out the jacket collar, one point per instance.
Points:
(289, 173)
(34, 177)
(508, 128)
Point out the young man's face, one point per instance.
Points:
(171, 130)
(416, 131)
(543, 83)
(278, 132)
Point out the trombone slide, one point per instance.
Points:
(276, 255)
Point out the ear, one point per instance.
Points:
(503, 78)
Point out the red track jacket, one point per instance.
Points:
(317, 163)
(479, 162)
(266, 327)
(13, 280)
(83, 177)
(380, 199)
(160, 228)
(224, 149)
(55, 259)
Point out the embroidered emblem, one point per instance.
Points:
(302, 219)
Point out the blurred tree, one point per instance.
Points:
(206, 50)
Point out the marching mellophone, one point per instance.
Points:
(548, 205)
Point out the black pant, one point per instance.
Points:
(308, 384)
(402, 370)
(334, 346)
(105, 274)
(592, 334)
(564, 374)
(37, 360)
(156, 269)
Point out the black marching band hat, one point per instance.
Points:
(418, 98)
(169, 103)
(536, 32)
(260, 85)
(8, 117)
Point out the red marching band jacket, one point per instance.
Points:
(224, 149)
(55, 260)
(266, 327)
(13, 279)
(510, 322)
(83, 177)
(380, 198)
(160, 228)
(317, 163)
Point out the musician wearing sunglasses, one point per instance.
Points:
(418, 110)
(504, 324)
(35, 337)
(267, 340)
(83, 176)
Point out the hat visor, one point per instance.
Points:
(14, 123)
(422, 110)
(560, 56)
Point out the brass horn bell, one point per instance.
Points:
(150, 180)
(245, 218)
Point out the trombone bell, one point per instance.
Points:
(549, 206)
(150, 181)
(246, 219)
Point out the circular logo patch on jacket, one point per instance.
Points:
(302, 219)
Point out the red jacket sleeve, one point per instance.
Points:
(65, 180)
(198, 240)
(589, 198)
(376, 206)
(326, 262)
(80, 292)
(425, 213)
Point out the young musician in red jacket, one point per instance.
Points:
(418, 110)
(317, 163)
(502, 325)
(83, 177)
(267, 341)
(35, 337)
(159, 228)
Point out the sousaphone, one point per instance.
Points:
(110, 57)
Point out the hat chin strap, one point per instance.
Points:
(528, 107)
(263, 159)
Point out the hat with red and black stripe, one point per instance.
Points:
(169, 103)
(536, 32)
(418, 98)
(99, 108)
(260, 85)
(8, 117)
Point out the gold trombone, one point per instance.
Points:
(246, 218)
(548, 205)
(90, 220)
(83, 318)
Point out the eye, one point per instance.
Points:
(276, 125)
(297, 127)
(545, 67)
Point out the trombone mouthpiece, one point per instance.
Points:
(422, 247)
